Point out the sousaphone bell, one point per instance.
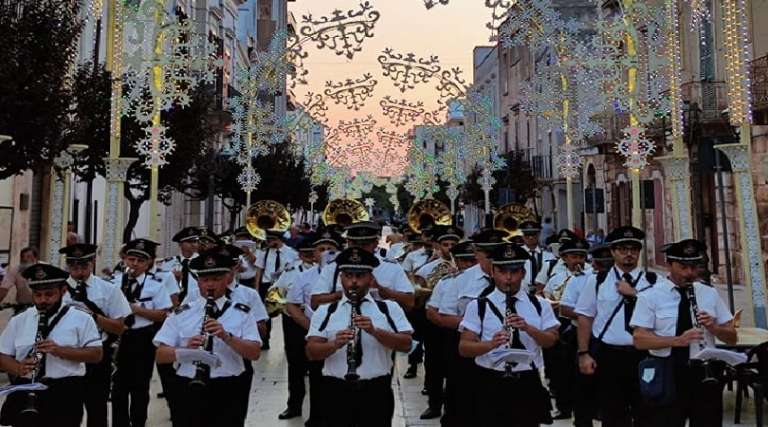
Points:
(344, 212)
(428, 212)
(263, 216)
(509, 217)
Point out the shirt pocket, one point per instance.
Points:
(67, 338)
(666, 320)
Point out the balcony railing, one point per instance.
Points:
(710, 96)
(542, 167)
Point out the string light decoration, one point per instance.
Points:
(390, 143)
(268, 70)
(351, 93)
(357, 128)
(155, 147)
(451, 86)
(737, 58)
(674, 66)
(343, 33)
(406, 70)
(249, 179)
(699, 10)
(532, 23)
(569, 161)
(635, 147)
(295, 56)
(401, 112)
(434, 118)
(255, 127)
(315, 112)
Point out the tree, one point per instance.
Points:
(89, 122)
(39, 44)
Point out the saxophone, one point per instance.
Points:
(203, 371)
(352, 374)
(30, 404)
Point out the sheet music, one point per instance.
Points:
(8, 389)
(730, 357)
(501, 356)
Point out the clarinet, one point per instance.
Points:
(203, 371)
(508, 373)
(30, 405)
(691, 292)
(351, 374)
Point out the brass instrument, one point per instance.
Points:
(691, 292)
(203, 371)
(352, 374)
(30, 411)
(344, 212)
(428, 212)
(559, 290)
(509, 216)
(266, 215)
(274, 301)
(427, 285)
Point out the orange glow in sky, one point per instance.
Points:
(449, 32)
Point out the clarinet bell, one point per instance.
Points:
(351, 377)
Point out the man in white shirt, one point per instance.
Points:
(251, 253)
(108, 307)
(49, 343)
(509, 318)
(604, 310)
(177, 267)
(553, 265)
(358, 359)
(539, 255)
(212, 394)
(150, 303)
(676, 319)
(273, 261)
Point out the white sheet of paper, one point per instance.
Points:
(730, 357)
(190, 355)
(8, 389)
(502, 356)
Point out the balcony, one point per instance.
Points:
(759, 77)
(542, 167)
(710, 96)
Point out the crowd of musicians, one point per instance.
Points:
(602, 338)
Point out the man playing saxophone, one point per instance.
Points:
(383, 328)
(52, 351)
(676, 318)
(234, 336)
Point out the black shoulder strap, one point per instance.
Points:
(55, 321)
(601, 276)
(487, 291)
(536, 303)
(384, 308)
(552, 264)
(331, 309)
(651, 277)
(335, 278)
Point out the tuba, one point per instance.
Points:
(509, 216)
(428, 212)
(266, 215)
(344, 212)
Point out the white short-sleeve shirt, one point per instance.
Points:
(106, 295)
(543, 277)
(657, 309)
(437, 293)
(601, 304)
(388, 274)
(471, 284)
(76, 328)
(186, 323)
(267, 259)
(153, 296)
(573, 289)
(415, 259)
(301, 291)
(377, 359)
(492, 324)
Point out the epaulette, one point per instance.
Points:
(169, 259)
(242, 307)
(291, 268)
(79, 307)
(391, 261)
(181, 308)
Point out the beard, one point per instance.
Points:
(49, 308)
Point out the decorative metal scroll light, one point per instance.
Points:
(429, 4)
(401, 111)
(357, 128)
(451, 85)
(343, 33)
(351, 93)
(406, 70)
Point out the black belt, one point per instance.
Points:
(384, 379)
(500, 374)
(622, 348)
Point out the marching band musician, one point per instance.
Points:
(602, 260)
(270, 264)
(299, 307)
(417, 254)
(215, 392)
(445, 238)
(108, 306)
(52, 350)
(539, 256)
(177, 267)
(604, 309)
(559, 360)
(390, 279)
(464, 256)
(673, 320)
(511, 394)
(251, 253)
(356, 336)
(149, 302)
(553, 265)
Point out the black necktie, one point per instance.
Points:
(681, 354)
(629, 303)
(277, 262)
(516, 343)
(539, 263)
(184, 279)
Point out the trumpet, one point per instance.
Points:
(352, 355)
(30, 405)
(203, 371)
(709, 378)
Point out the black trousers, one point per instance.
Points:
(434, 370)
(215, 405)
(559, 368)
(696, 401)
(298, 367)
(520, 401)
(135, 363)
(418, 319)
(243, 384)
(466, 374)
(98, 380)
(450, 359)
(366, 403)
(60, 405)
(618, 387)
(580, 388)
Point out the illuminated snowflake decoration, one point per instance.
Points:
(268, 70)
(255, 126)
(406, 70)
(357, 128)
(249, 179)
(532, 23)
(351, 93)
(401, 112)
(155, 147)
(569, 161)
(343, 33)
(451, 86)
(635, 147)
(369, 202)
(171, 46)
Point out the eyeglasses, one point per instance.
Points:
(627, 249)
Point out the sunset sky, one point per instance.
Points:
(449, 32)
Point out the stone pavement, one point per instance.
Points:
(270, 392)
